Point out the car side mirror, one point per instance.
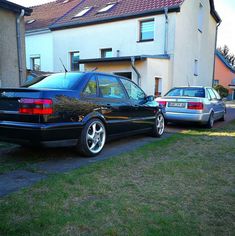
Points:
(150, 98)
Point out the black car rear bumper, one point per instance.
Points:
(21, 132)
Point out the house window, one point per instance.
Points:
(196, 67)
(83, 12)
(147, 30)
(36, 63)
(106, 53)
(74, 60)
(107, 7)
(200, 17)
(216, 82)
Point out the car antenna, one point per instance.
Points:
(65, 70)
(95, 69)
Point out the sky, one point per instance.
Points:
(225, 8)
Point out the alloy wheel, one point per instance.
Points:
(160, 124)
(95, 137)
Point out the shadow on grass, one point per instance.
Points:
(14, 157)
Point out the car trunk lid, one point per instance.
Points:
(10, 104)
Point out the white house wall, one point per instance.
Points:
(40, 44)
(121, 35)
(190, 44)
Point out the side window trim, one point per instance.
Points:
(130, 81)
(123, 87)
(208, 93)
(88, 81)
(120, 84)
(216, 94)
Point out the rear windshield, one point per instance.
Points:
(59, 81)
(187, 92)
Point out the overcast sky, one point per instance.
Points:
(225, 8)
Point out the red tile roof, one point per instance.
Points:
(122, 8)
(52, 12)
(58, 15)
(48, 13)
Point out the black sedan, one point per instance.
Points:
(84, 107)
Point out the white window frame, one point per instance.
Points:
(83, 12)
(108, 7)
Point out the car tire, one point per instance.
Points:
(159, 126)
(222, 118)
(210, 122)
(92, 139)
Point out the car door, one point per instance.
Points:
(114, 103)
(143, 113)
(220, 104)
(214, 103)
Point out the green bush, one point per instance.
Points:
(223, 92)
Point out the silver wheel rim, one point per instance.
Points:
(160, 124)
(95, 137)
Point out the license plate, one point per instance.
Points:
(177, 104)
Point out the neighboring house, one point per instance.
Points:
(12, 44)
(158, 44)
(224, 74)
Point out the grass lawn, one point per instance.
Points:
(183, 185)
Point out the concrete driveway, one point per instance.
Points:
(63, 159)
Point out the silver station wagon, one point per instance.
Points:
(193, 104)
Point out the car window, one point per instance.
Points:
(212, 94)
(134, 92)
(216, 94)
(187, 92)
(59, 81)
(109, 87)
(91, 88)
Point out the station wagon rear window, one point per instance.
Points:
(186, 92)
(59, 81)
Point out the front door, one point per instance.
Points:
(143, 114)
(116, 107)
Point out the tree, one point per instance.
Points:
(230, 57)
(223, 92)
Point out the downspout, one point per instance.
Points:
(216, 37)
(136, 71)
(166, 31)
(19, 46)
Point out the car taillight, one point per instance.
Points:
(195, 105)
(162, 103)
(35, 106)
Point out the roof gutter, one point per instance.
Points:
(166, 31)
(216, 37)
(19, 45)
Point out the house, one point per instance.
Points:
(12, 44)
(224, 74)
(158, 44)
